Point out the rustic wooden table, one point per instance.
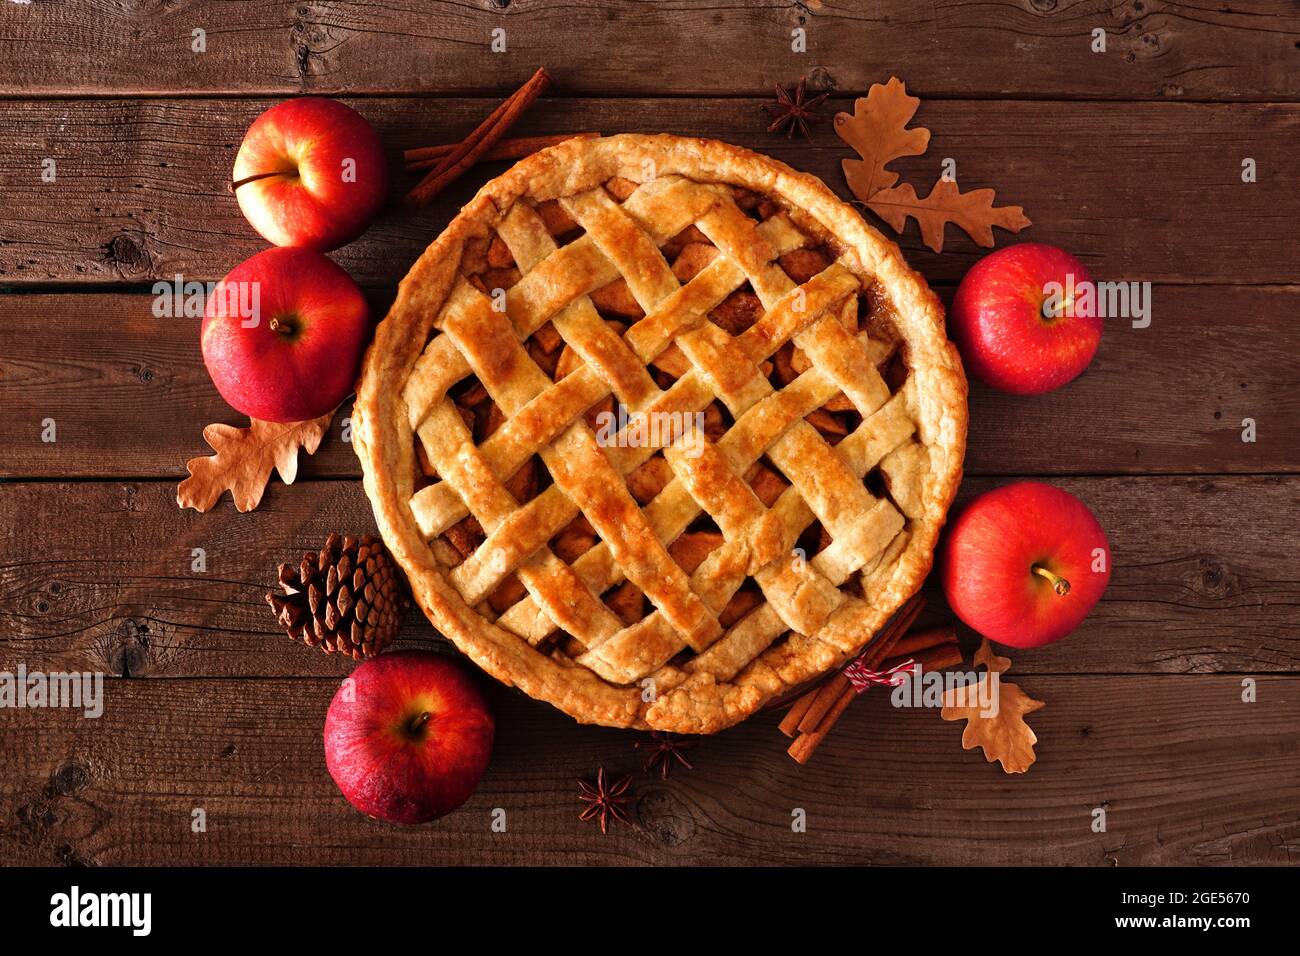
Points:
(1131, 157)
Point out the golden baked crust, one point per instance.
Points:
(748, 563)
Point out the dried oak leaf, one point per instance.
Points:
(985, 655)
(244, 459)
(1004, 737)
(877, 132)
(974, 212)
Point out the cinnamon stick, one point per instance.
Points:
(902, 624)
(485, 136)
(823, 701)
(790, 723)
(427, 157)
(829, 694)
(937, 655)
(849, 691)
(813, 716)
(924, 640)
(530, 90)
(806, 744)
(933, 659)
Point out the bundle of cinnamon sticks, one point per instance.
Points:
(428, 157)
(446, 163)
(813, 715)
(465, 154)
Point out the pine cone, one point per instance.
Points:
(348, 599)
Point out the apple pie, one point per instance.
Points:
(660, 429)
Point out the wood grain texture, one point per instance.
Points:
(1139, 191)
(1186, 772)
(129, 395)
(951, 47)
(1130, 158)
(1205, 579)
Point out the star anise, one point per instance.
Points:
(665, 750)
(605, 800)
(793, 111)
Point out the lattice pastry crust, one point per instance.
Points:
(675, 586)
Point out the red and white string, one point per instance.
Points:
(862, 677)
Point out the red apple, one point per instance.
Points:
(1024, 564)
(283, 335)
(408, 736)
(310, 172)
(1022, 320)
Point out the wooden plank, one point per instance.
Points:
(1205, 578)
(1148, 192)
(950, 47)
(1186, 773)
(129, 395)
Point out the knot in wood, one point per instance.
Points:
(1214, 579)
(69, 778)
(130, 654)
(666, 818)
(127, 254)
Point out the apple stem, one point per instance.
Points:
(418, 722)
(283, 324)
(1059, 584)
(248, 179)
